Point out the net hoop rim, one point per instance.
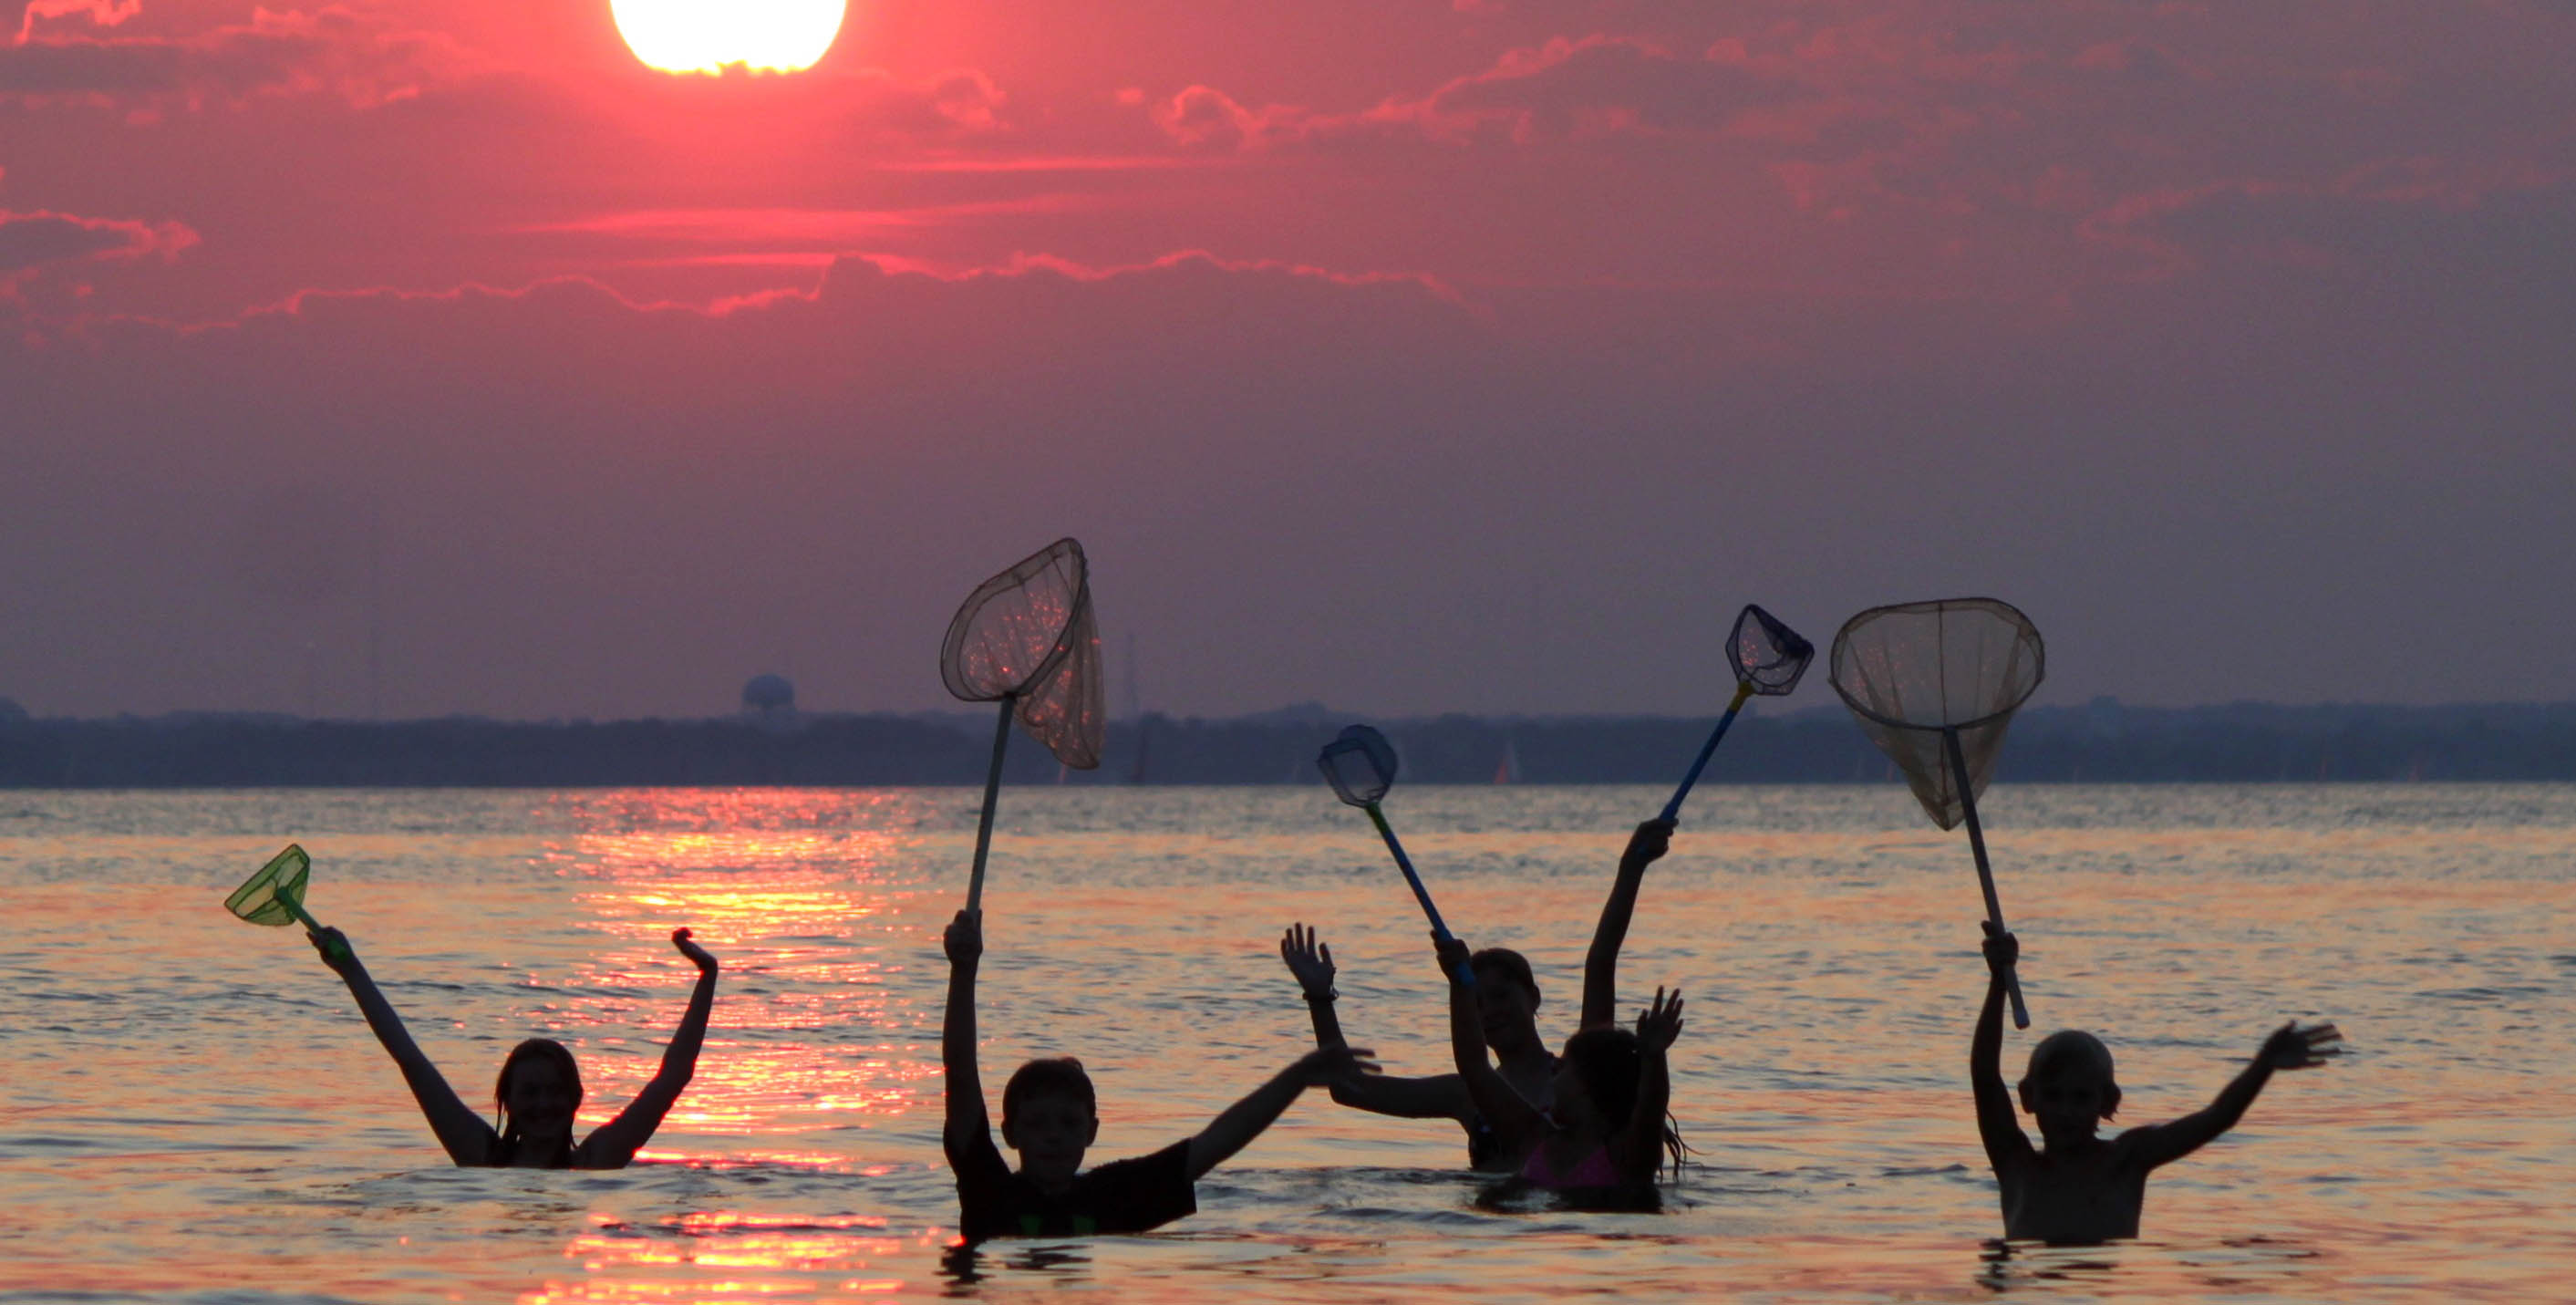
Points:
(1359, 738)
(1762, 616)
(277, 882)
(1003, 579)
(2039, 652)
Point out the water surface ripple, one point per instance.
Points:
(194, 1111)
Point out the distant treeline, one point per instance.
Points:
(2103, 742)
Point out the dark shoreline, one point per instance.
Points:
(2104, 742)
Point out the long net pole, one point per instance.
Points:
(992, 797)
(1673, 809)
(1985, 872)
(1421, 894)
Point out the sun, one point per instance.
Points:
(706, 36)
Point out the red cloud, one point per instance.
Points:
(1596, 85)
(329, 51)
(32, 240)
(101, 13)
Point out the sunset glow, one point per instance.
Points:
(1182, 267)
(705, 36)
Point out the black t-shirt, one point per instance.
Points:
(1123, 1196)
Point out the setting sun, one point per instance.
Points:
(708, 35)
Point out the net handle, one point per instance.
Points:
(1439, 930)
(338, 950)
(1985, 872)
(992, 797)
(1673, 809)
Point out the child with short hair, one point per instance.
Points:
(2081, 1190)
(1050, 1116)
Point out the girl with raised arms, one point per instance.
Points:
(539, 1090)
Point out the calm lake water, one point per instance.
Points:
(194, 1111)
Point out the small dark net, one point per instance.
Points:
(1360, 765)
(1768, 655)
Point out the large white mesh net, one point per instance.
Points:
(1028, 634)
(1914, 671)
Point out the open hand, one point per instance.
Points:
(2003, 951)
(1661, 1022)
(964, 941)
(2292, 1047)
(1336, 1065)
(335, 949)
(1309, 960)
(1453, 957)
(1648, 844)
(706, 961)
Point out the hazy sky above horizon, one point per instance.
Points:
(1406, 355)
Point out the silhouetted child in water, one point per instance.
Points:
(1603, 1137)
(1050, 1117)
(539, 1090)
(1507, 1000)
(2082, 1190)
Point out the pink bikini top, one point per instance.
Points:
(1593, 1170)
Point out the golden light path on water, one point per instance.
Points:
(195, 1111)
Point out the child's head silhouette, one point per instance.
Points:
(1597, 1083)
(2070, 1083)
(1050, 1116)
(539, 1090)
(1507, 998)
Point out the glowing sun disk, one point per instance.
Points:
(708, 35)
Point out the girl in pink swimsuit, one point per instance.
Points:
(1606, 1128)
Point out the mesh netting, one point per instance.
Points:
(1028, 634)
(262, 898)
(1067, 711)
(1768, 655)
(1359, 764)
(1914, 671)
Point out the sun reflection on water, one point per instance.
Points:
(192, 1086)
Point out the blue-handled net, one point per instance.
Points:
(1767, 654)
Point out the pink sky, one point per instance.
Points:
(1410, 355)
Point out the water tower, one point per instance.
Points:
(769, 701)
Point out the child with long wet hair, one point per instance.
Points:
(2078, 1189)
(1603, 1139)
(1507, 1001)
(539, 1089)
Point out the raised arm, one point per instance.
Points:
(2289, 1047)
(1312, 964)
(1639, 1149)
(619, 1139)
(967, 1121)
(1439, 1096)
(1997, 1125)
(1244, 1120)
(469, 1141)
(1514, 1121)
(1601, 964)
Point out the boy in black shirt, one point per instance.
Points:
(1050, 1117)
